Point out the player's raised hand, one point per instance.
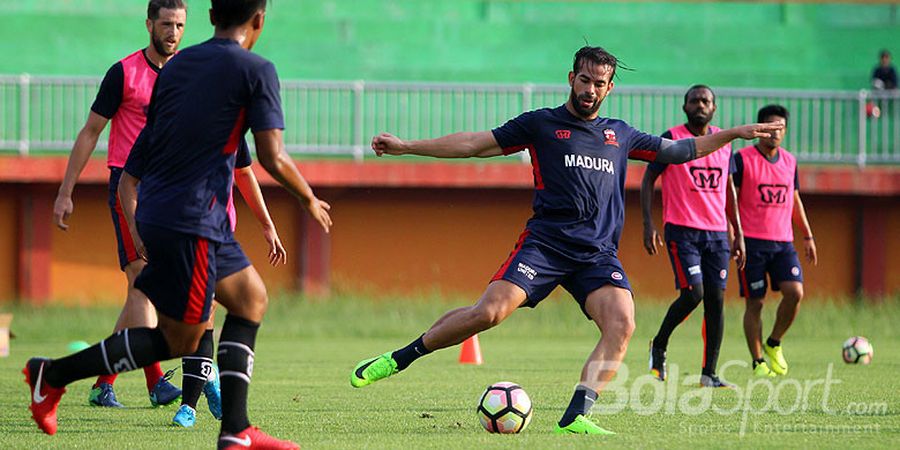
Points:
(277, 254)
(652, 240)
(386, 143)
(759, 130)
(62, 209)
(319, 210)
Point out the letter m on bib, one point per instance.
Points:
(706, 177)
(773, 193)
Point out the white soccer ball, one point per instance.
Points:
(504, 408)
(857, 350)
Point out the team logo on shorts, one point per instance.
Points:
(609, 136)
(795, 271)
(723, 274)
(616, 276)
(527, 271)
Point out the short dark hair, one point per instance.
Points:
(229, 13)
(154, 6)
(772, 110)
(884, 53)
(697, 87)
(597, 56)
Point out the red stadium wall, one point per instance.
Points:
(415, 228)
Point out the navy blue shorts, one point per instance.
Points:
(777, 259)
(182, 271)
(538, 269)
(127, 252)
(698, 256)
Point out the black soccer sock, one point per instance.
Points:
(582, 401)
(196, 370)
(714, 320)
(773, 342)
(680, 309)
(757, 362)
(235, 369)
(125, 350)
(406, 355)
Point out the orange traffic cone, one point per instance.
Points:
(471, 351)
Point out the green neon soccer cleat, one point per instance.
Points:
(776, 356)
(371, 370)
(582, 425)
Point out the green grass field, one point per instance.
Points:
(306, 348)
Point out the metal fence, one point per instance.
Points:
(339, 118)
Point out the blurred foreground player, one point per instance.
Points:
(202, 104)
(122, 99)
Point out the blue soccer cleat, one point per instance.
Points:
(103, 395)
(165, 393)
(186, 417)
(213, 394)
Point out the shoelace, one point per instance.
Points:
(169, 374)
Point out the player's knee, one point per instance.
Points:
(620, 329)
(794, 294)
(181, 344)
(754, 304)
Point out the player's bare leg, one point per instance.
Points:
(753, 326)
(497, 302)
(792, 292)
(136, 313)
(753, 333)
(612, 309)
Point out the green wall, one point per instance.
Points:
(810, 46)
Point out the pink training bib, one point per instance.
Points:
(693, 193)
(766, 199)
(131, 116)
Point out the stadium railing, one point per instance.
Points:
(337, 118)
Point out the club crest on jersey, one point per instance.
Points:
(609, 137)
(563, 134)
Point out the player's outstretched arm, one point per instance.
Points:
(81, 152)
(271, 154)
(652, 239)
(480, 144)
(128, 195)
(800, 218)
(249, 188)
(711, 142)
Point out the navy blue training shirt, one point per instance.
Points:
(579, 177)
(204, 101)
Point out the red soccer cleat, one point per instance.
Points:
(44, 398)
(253, 438)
